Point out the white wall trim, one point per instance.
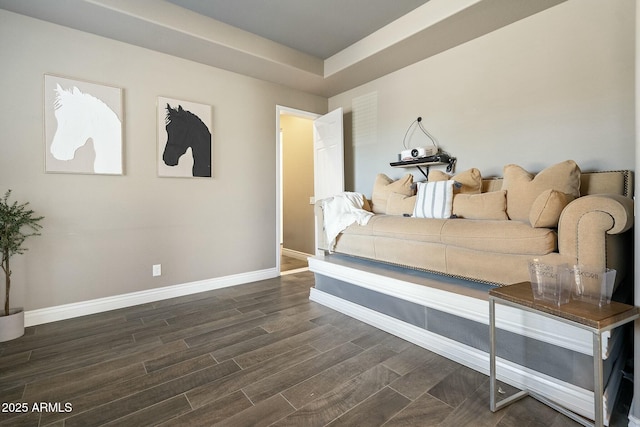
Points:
(295, 254)
(83, 308)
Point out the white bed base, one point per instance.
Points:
(473, 307)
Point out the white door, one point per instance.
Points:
(328, 153)
(328, 158)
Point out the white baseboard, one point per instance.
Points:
(83, 308)
(568, 395)
(295, 254)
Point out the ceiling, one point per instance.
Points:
(323, 47)
(320, 28)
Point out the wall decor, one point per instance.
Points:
(83, 127)
(184, 138)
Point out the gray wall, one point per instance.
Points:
(557, 85)
(103, 233)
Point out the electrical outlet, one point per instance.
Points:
(157, 270)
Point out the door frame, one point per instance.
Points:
(282, 110)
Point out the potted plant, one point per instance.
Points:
(17, 222)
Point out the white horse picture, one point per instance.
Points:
(81, 118)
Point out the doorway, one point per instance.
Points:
(295, 219)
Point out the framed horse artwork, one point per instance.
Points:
(83, 127)
(184, 138)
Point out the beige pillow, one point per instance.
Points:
(523, 188)
(384, 186)
(399, 204)
(546, 209)
(492, 205)
(471, 180)
(366, 205)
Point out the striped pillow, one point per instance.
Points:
(434, 199)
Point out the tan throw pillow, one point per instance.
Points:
(399, 204)
(384, 186)
(523, 188)
(546, 209)
(471, 180)
(492, 205)
(366, 205)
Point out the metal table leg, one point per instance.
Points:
(494, 405)
(492, 354)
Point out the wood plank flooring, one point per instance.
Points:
(259, 354)
(289, 263)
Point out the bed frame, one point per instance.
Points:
(450, 316)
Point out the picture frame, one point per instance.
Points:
(83, 127)
(184, 138)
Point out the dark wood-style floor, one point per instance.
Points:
(288, 263)
(259, 354)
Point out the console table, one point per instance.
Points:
(577, 313)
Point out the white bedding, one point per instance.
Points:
(342, 210)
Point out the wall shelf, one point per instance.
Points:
(421, 163)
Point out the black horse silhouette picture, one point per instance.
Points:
(186, 130)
